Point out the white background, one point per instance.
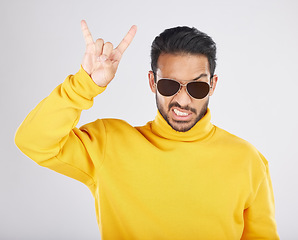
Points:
(256, 96)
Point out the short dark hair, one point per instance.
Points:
(183, 40)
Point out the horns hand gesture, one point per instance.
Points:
(101, 59)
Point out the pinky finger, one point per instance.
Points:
(123, 45)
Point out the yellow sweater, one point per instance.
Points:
(152, 182)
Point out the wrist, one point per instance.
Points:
(87, 83)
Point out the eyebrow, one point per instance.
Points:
(202, 75)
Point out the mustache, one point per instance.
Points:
(187, 108)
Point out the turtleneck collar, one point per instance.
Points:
(202, 130)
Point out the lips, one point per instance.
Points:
(181, 114)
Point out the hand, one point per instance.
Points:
(101, 60)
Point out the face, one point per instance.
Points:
(182, 111)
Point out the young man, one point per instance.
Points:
(177, 177)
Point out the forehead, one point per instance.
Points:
(182, 66)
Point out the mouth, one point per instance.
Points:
(181, 114)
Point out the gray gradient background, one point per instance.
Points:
(256, 96)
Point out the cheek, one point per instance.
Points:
(163, 101)
(201, 104)
(198, 105)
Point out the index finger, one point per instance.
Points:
(123, 45)
(87, 35)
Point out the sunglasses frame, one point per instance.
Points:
(184, 85)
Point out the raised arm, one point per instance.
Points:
(49, 135)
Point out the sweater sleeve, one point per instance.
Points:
(259, 219)
(48, 134)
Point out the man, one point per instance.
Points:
(179, 176)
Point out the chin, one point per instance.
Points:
(181, 126)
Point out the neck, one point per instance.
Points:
(201, 130)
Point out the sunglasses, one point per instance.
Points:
(169, 87)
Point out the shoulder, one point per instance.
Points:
(111, 128)
(240, 149)
(109, 124)
(226, 138)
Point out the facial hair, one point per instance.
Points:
(175, 104)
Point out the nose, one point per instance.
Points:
(182, 97)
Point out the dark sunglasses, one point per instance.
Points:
(169, 87)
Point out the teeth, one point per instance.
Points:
(180, 113)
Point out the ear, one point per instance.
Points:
(213, 84)
(152, 82)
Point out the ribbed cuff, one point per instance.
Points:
(85, 86)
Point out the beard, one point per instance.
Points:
(182, 126)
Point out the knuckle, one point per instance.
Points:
(90, 46)
(109, 44)
(99, 40)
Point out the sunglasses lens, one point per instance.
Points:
(198, 90)
(167, 87)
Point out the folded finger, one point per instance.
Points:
(123, 45)
(107, 49)
(86, 33)
(98, 46)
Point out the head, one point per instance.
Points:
(183, 54)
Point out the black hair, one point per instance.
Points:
(183, 40)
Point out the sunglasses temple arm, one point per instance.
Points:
(211, 81)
